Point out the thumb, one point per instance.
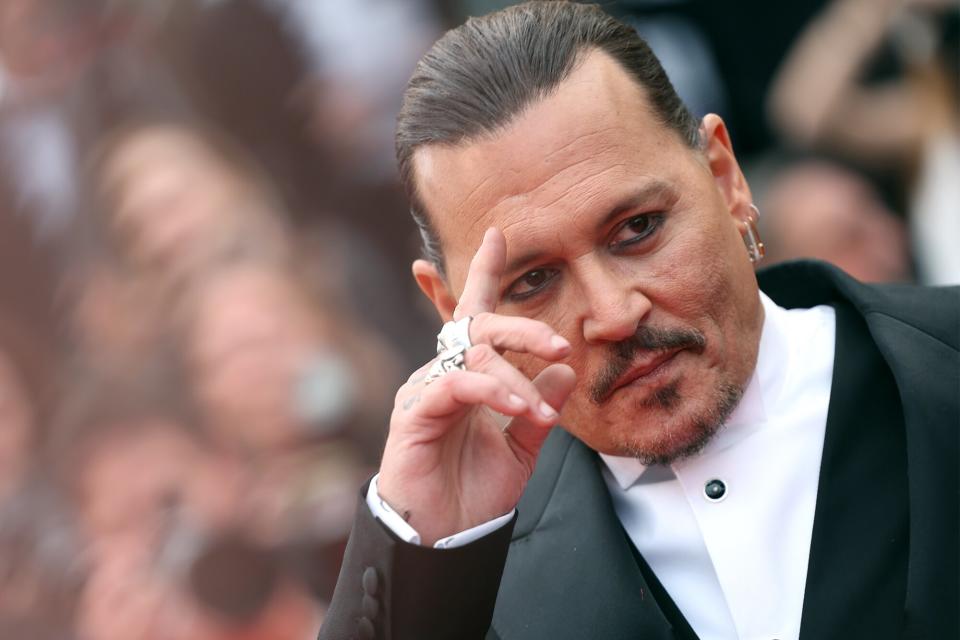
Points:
(555, 383)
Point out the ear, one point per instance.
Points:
(434, 286)
(726, 171)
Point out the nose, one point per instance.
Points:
(613, 310)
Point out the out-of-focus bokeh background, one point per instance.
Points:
(205, 305)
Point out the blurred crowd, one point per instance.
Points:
(205, 306)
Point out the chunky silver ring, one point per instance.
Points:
(454, 334)
(446, 362)
(452, 344)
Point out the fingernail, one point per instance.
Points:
(559, 343)
(547, 411)
(516, 401)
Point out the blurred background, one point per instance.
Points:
(205, 301)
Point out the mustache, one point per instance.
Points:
(623, 354)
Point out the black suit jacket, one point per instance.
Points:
(883, 560)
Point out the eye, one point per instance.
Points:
(635, 230)
(529, 284)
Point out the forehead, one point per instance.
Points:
(564, 157)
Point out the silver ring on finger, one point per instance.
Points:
(454, 334)
(452, 344)
(447, 361)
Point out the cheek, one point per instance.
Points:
(692, 277)
(716, 292)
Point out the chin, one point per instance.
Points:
(665, 424)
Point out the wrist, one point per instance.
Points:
(425, 521)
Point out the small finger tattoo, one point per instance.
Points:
(409, 402)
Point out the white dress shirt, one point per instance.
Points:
(735, 566)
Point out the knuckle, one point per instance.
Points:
(445, 383)
(480, 325)
(480, 355)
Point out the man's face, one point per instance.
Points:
(251, 336)
(624, 240)
(172, 198)
(827, 212)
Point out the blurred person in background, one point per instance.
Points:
(175, 197)
(819, 209)
(330, 184)
(67, 68)
(161, 508)
(165, 197)
(280, 385)
(907, 125)
(198, 221)
(131, 455)
(250, 339)
(148, 493)
(185, 206)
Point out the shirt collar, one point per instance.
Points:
(752, 410)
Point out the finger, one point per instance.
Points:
(459, 389)
(482, 288)
(555, 384)
(485, 359)
(523, 335)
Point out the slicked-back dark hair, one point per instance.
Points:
(480, 76)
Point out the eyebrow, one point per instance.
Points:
(652, 190)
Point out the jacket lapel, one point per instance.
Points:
(570, 571)
(857, 570)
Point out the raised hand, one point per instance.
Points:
(462, 447)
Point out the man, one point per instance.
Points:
(727, 467)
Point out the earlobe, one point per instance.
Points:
(434, 286)
(723, 164)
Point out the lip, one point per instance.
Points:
(644, 369)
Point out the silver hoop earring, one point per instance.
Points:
(751, 239)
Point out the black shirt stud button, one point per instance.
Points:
(370, 581)
(715, 490)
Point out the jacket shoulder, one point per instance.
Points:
(932, 311)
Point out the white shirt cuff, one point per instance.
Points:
(395, 522)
